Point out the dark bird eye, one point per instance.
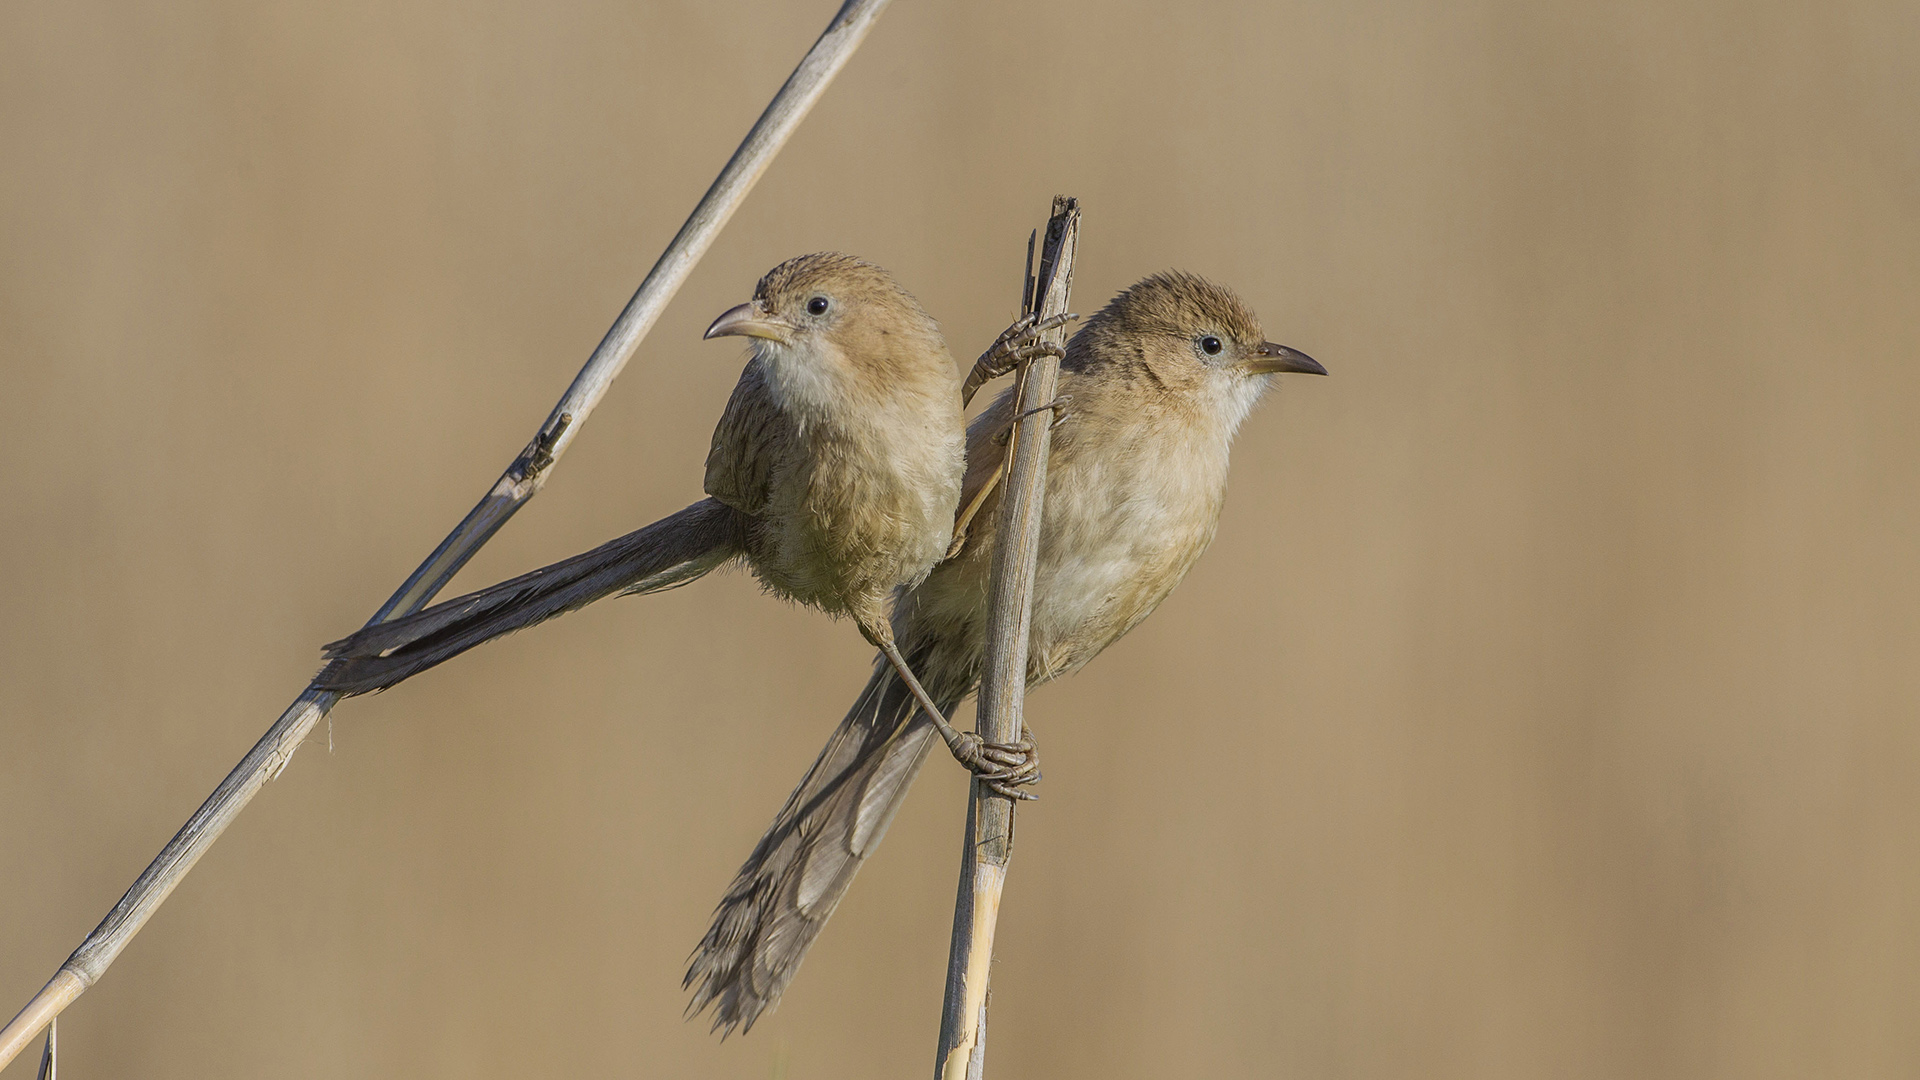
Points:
(818, 305)
(1210, 345)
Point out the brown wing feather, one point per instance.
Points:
(746, 443)
(803, 865)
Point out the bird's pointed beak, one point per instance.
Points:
(1270, 359)
(750, 320)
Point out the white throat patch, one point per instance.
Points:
(1238, 394)
(804, 377)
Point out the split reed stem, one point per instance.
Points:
(1003, 679)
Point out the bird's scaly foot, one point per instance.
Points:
(1016, 345)
(1006, 768)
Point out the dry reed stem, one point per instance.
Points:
(1003, 680)
(521, 481)
(50, 1056)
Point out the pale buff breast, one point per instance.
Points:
(1136, 514)
(871, 494)
(1134, 502)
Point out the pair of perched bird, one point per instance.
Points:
(837, 473)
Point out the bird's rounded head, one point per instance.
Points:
(825, 295)
(1175, 318)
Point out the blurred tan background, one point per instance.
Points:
(1546, 706)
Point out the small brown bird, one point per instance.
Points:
(1156, 383)
(834, 473)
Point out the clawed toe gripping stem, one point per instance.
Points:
(1005, 768)
(1016, 345)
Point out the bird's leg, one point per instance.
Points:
(965, 520)
(1058, 407)
(1015, 346)
(1003, 767)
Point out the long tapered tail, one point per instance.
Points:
(833, 821)
(670, 552)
